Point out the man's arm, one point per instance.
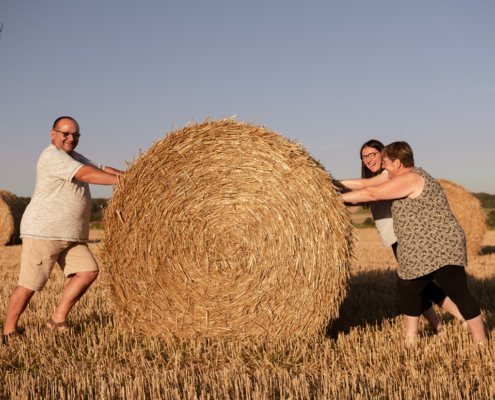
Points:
(113, 171)
(95, 176)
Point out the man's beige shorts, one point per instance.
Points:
(39, 257)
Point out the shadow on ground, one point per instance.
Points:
(373, 298)
(487, 250)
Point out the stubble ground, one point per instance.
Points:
(358, 358)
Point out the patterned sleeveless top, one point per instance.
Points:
(428, 235)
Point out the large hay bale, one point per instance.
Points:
(11, 210)
(468, 211)
(226, 228)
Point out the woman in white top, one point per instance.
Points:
(373, 174)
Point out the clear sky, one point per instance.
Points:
(331, 74)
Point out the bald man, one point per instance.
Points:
(55, 227)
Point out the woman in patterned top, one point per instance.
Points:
(431, 243)
(372, 174)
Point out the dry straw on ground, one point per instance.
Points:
(360, 359)
(11, 210)
(468, 211)
(226, 228)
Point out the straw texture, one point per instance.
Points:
(468, 211)
(226, 228)
(11, 210)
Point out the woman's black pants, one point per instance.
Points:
(452, 279)
(431, 293)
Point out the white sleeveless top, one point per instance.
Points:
(382, 214)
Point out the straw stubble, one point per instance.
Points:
(226, 228)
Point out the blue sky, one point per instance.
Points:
(331, 74)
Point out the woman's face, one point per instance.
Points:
(393, 167)
(389, 166)
(374, 164)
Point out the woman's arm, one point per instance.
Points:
(406, 185)
(356, 184)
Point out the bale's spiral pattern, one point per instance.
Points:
(223, 228)
(11, 210)
(468, 211)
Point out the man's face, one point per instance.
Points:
(66, 144)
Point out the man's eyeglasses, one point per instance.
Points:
(384, 160)
(371, 156)
(75, 135)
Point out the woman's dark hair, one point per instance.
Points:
(401, 151)
(365, 171)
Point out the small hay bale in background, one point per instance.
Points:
(468, 211)
(11, 210)
(226, 228)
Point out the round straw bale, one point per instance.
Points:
(468, 211)
(11, 210)
(226, 228)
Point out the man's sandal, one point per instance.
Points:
(60, 327)
(11, 337)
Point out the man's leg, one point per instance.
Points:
(78, 262)
(74, 290)
(19, 299)
(36, 265)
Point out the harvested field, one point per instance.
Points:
(359, 358)
(359, 215)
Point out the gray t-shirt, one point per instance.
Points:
(61, 205)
